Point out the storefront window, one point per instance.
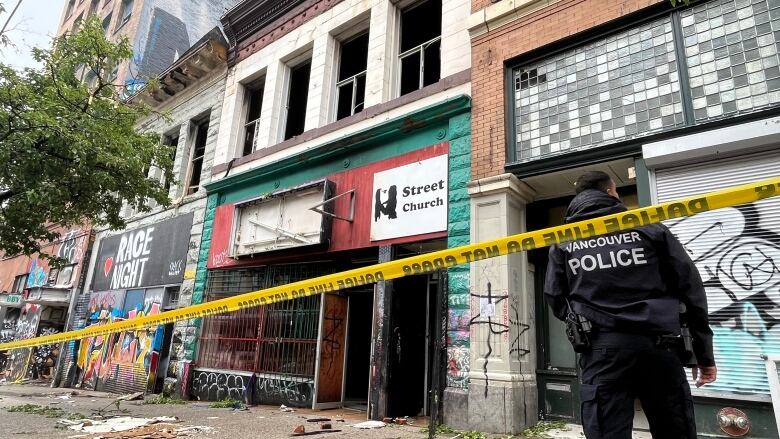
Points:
(627, 85)
(279, 338)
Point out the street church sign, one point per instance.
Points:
(147, 256)
(410, 200)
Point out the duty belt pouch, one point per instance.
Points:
(684, 348)
(577, 330)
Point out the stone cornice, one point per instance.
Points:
(504, 12)
(502, 183)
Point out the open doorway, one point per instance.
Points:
(358, 360)
(557, 370)
(410, 345)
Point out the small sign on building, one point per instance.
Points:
(410, 200)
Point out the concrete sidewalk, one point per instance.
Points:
(198, 418)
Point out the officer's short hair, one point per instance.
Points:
(597, 180)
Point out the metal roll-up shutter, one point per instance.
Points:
(737, 252)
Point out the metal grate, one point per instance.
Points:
(278, 338)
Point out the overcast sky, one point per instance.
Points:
(34, 23)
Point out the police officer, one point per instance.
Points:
(629, 285)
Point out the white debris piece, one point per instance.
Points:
(370, 424)
(122, 423)
(193, 429)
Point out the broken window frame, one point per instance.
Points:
(421, 50)
(172, 141)
(352, 81)
(20, 283)
(69, 11)
(106, 23)
(286, 134)
(127, 11)
(93, 7)
(77, 23)
(197, 155)
(251, 91)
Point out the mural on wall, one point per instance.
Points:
(26, 327)
(738, 257)
(127, 359)
(44, 357)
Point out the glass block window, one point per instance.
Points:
(731, 47)
(616, 88)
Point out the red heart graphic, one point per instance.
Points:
(108, 265)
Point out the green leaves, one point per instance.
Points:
(69, 150)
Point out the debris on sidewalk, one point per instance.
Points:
(122, 423)
(402, 421)
(131, 396)
(370, 424)
(301, 430)
(286, 409)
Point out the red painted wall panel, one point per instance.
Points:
(344, 235)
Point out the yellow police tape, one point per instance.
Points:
(429, 262)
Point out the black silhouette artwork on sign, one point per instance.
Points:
(387, 207)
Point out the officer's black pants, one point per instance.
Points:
(622, 367)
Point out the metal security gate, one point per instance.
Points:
(737, 253)
(277, 341)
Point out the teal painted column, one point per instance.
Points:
(201, 274)
(459, 226)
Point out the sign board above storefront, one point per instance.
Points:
(410, 200)
(283, 220)
(147, 256)
(11, 299)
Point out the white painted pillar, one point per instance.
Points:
(274, 110)
(321, 84)
(502, 381)
(382, 53)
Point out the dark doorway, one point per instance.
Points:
(361, 303)
(409, 357)
(557, 372)
(165, 359)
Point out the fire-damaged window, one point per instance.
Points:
(61, 276)
(106, 24)
(172, 142)
(93, 7)
(420, 45)
(69, 11)
(253, 103)
(127, 11)
(20, 283)
(351, 83)
(298, 94)
(198, 151)
(279, 338)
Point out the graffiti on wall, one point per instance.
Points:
(738, 257)
(487, 317)
(290, 391)
(44, 357)
(71, 247)
(217, 386)
(37, 276)
(126, 359)
(26, 327)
